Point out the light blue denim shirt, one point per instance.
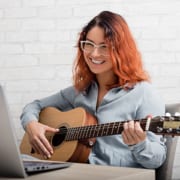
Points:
(117, 105)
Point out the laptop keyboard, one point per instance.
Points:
(37, 166)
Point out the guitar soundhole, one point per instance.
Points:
(58, 138)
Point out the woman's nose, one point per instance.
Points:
(95, 52)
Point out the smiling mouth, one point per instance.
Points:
(97, 61)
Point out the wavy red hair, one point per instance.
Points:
(126, 59)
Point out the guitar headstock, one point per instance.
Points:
(166, 125)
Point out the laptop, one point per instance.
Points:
(12, 163)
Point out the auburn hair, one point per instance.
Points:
(126, 59)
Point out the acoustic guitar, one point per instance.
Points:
(79, 129)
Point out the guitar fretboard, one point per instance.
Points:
(159, 125)
(98, 130)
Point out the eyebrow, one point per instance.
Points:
(94, 42)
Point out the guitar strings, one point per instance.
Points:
(64, 130)
(113, 125)
(91, 131)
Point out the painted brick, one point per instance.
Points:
(39, 48)
(20, 12)
(23, 36)
(11, 49)
(18, 60)
(38, 24)
(38, 3)
(10, 25)
(10, 3)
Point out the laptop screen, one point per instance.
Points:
(10, 158)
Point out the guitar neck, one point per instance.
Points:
(159, 125)
(99, 130)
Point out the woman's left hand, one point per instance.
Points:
(133, 133)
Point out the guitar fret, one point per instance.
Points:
(80, 133)
(109, 129)
(85, 129)
(91, 131)
(94, 130)
(87, 132)
(112, 128)
(83, 133)
(102, 131)
(99, 130)
(68, 135)
(71, 133)
(106, 132)
(115, 128)
(118, 129)
(76, 133)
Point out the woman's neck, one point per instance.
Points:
(105, 79)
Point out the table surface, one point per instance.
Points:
(79, 171)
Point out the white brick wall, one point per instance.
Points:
(37, 39)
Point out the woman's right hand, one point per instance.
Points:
(36, 132)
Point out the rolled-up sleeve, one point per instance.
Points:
(150, 153)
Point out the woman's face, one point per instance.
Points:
(96, 52)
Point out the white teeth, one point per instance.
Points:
(96, 62)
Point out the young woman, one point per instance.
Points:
(111, 84)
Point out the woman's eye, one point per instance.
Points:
(104, 46)
(89, 44)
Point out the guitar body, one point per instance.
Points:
(74, 151)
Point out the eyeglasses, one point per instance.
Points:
(89, 47)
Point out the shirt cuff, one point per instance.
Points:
(26, 119)
(138, 146)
